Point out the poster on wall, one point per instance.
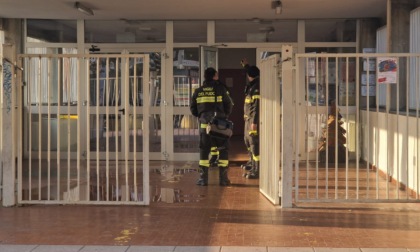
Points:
(371, 80)
(369, 64)
(387, 70)
(372, 90)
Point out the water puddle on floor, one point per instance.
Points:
(173, 174)
(169, 181)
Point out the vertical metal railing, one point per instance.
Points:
(417, 88)
(271, 161)
(336, 132)
(358, 122)
(376, 162)
(73, 110)
(185, 128)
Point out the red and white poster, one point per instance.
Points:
(387, 70)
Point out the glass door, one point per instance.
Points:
(208, 58)
(117, 103)
(188, 68)
(118, 123)
(156, 103)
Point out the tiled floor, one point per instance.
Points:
(235, 218)
(77, 248)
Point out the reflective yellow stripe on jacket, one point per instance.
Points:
(253, 132)
(208, 99)
(251, 99)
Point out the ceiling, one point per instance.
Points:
(192, 9)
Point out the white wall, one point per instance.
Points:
(392, 145)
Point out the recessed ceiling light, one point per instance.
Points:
(86, 10)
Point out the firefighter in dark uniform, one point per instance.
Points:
(207, 101)
(252, 117)
(214, 151)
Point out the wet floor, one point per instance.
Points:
(183, 214)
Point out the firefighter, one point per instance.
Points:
(214, 151)
(252, 117)
(211, 99)
(214, 155)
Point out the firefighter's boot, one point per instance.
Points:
(223, 176)
(204, 176)
(248, 165)
(250, 168)
(254, 173)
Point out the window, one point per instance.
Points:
(53, 31)
(256, 31)
(190, 31)
(125, 31)
(186, 75)
(414, 82)
(330, 31)
(39, 82)
(381, 47)
(323, 83)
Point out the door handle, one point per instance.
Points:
(122, 110)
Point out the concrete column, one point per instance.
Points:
(288, 111)
(12, 45)
(398, 23)
(367, 39)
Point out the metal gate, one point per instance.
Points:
(270, 90)
(276, 123)
(86, 122)
(349, 146)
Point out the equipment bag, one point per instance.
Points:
(220, 128)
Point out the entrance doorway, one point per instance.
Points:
(233, 75)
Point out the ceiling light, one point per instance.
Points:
(277, 6)
(80, 7)
(145, 28)
(268, 30)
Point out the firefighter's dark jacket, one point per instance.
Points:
(204, 105)
(252, 101)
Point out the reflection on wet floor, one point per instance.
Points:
(170, 195)
(166, 183)
(106, 182)
(184, 214)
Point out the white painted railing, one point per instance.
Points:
(379, 155)
(86, 129)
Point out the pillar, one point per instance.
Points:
(367, 39)
(287, 141)
(398, 25)
(12, 45)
